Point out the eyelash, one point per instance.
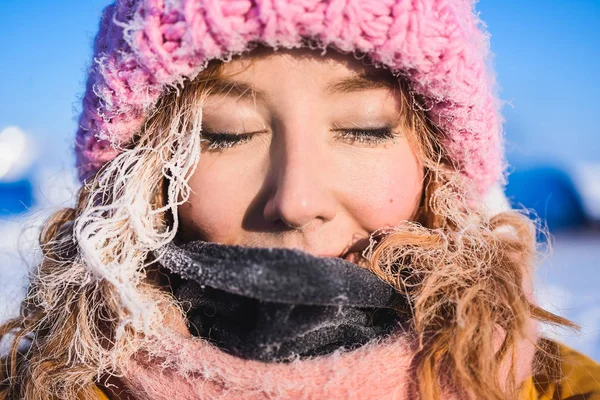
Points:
(369, 136)
(221, 141)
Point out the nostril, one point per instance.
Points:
(296, 212)
(281, 225)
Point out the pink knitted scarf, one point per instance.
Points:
(183, 367)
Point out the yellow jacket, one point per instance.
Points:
(581, 380)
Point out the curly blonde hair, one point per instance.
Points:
(461, 269)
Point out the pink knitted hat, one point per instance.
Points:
(145, 47)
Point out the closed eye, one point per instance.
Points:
(363, 136)
(223, 140)
(366, 136)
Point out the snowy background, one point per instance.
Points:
(547, 59)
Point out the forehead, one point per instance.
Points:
(333, 72)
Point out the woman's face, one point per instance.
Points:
(302, 151)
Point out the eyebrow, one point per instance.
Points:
(364, 81)
(356, 83)
(241, 90)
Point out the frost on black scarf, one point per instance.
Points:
(278, 305)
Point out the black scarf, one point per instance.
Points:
(276, 305)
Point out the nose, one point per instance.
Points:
(300, 188)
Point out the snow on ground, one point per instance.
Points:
(19, 235)
(568, 284)
(13, 264)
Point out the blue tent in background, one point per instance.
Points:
(549, 191)
(15, 197)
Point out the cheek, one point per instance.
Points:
(375, 190)
(220, 196)
(386, 190)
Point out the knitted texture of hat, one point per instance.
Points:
(146, 47)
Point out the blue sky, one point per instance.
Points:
(547, 56)
(42, 67)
